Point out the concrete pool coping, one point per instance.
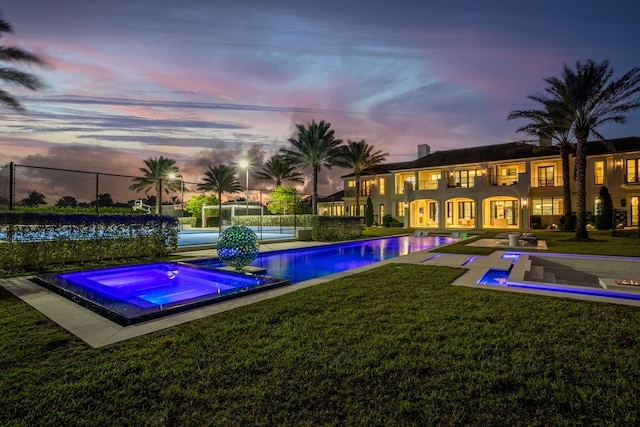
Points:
(98, 331)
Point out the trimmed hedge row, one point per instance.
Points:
(332, 228)
(302, 220)
(32, 240)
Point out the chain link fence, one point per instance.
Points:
(45, 188)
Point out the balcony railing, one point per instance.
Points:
(428, 185)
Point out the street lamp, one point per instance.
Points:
(245, 165)
(174, 176)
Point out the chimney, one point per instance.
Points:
(545, 141)
(423, 150)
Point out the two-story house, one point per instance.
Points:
(498, 186)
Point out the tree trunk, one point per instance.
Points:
(357, 195)
(581, 205)
(314, 196)
(566, 188)
(159, 196)
(219, 213)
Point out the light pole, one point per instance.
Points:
(245, 165)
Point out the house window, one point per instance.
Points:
(399, 208)
(545, 176)
(381, 188)
(465, 178)
(598, 172)
(381, 211)
(433, 211)
(401, 179)
(547, 206)
(632, 170)
(365, 188)
(351, 183)
(465, 210)
(504, 209)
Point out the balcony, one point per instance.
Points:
(428, 185)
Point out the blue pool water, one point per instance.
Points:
(501, 278)
(133, 294)
(298, 265)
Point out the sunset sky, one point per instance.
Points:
(208, 81)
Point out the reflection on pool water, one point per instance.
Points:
(298, 265)
(134, 294)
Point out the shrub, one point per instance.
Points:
(604, 217)
(34, 240)
(332, 228)
(368, 213)
(389, 221)
(304, 220)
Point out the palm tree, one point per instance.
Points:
(156, 174)
(361, 159)
(221, 179)
(548, 123)
(315, 147)
(589, 98)
(13, 76)
(277, 169)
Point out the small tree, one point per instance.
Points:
(194, 206)
(368, 213)
(33, 199)
(604, 220)
(285, 200)
(67, 202)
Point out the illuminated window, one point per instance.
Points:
(598, 172)
(547, 206)
(365, 188)
(351, 183)
(381, 210)
(545, 176)
(381, 188)
(399, 208)
(465, 178)
(632, 170)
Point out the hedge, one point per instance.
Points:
(34, 240)
(332, 228)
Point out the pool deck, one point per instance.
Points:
(97, 331)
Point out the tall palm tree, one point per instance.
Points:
(156, 176)
(548, 123)
(589, 98)
(13, 76)
(221, 179)
(361, 159)
(278, 169)
(316, 147)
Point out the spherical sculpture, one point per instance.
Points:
(238, 246)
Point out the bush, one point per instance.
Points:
(389, 221)
(333, 228)
(536, 221)
(368, 213)
(304, 220)
(571, 224)
(188, 220)
(604, 217)
(34, 240)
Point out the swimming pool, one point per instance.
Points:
(567, 274)
(298, 265)
(134, 294)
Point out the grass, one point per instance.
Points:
(560, 242)
(396, 345)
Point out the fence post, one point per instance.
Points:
(97, 194)
(11, 184)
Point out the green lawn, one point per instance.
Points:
(396, 345)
